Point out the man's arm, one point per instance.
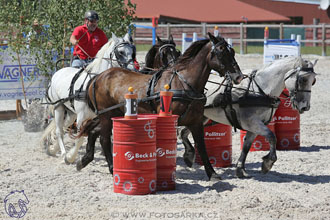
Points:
(73, 40)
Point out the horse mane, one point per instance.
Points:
(150, 57)
(98, 58)
(295, 61)
(190, 53)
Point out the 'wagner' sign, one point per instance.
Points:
(10, 79)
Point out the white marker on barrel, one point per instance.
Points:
(131, 104)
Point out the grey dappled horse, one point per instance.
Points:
(254, 101)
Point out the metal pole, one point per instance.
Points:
(241, 33)
(204, 29)
(153, 36)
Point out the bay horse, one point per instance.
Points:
(160, 55)
(187, 78)
(254, 102)
(67, 86)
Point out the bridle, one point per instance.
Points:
(161, 51)
(115, 53)
(215, 51)
(296, 71)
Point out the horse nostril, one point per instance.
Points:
(238, 79)
(306, 108)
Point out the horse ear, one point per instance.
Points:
(159, 40)
(315, 62)
(212, 38)
(127, 38)
(114, 37)
(170, 38)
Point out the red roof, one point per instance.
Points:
(209, 11)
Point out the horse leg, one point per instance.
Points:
(270, 158)
(48, 139)
(197, 132)
(90, 149)
(189, 153)
(72, 154)
(105, 139)
(59, 120)
(240, 165)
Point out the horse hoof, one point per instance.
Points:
(188, 162)
(67, 161)
(241, 173)
(267, 165)
(215, 177)
(51, 151)
(189, 158)
(79, 165)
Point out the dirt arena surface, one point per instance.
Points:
(297, 187)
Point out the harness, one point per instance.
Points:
(80, 94)
(189, 95)
(254, 99)
(249, 99)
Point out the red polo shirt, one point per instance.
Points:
(91, 43)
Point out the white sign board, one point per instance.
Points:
(10, 79)
(277, 49)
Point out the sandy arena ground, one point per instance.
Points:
(297, 187)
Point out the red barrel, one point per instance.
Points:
(166, 143)
(134, 156)
(260, 143)
(166, 151)
(287, 125)
(218, 142)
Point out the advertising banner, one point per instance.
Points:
(10, 78)
(277, 49)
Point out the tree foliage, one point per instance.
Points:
(56, 20)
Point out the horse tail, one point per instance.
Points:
(50, 127)
(87, 126)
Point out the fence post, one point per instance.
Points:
(204, 29)
(281, 31)
(168, 30)
(315, 22)
(241, 36)
(324, 46)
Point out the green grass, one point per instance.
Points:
(251, 49)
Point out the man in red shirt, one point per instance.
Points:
(87, 40)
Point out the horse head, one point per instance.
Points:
(167, 53)
(299, 82)
(223, 60)
(118, 52)
(124, 51)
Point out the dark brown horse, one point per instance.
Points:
(187, 79)
(160, 55)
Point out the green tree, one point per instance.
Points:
(56, 20)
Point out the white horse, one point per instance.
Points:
(253, 104)
(118, 52)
